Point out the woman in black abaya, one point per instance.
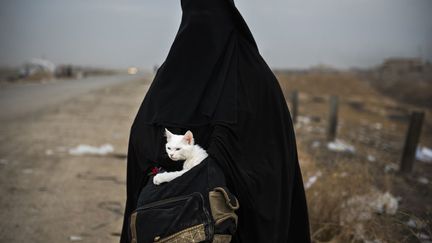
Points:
(215, 83)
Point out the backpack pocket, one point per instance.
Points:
(223, 205)
(177, 219)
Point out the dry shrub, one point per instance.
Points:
(327, 200)
(38, 76)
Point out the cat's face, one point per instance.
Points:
(178, 147)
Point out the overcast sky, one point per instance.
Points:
(289, 33)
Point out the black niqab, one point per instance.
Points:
(197, 84)
(215, 83)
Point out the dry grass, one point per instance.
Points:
(328, 213)
(366, 122)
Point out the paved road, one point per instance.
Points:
(18, 100)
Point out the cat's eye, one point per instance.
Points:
(169, 148)
(177, 149)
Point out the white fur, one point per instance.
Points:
(181, 147)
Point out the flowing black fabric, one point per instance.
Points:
(197, 83)
(215, 83)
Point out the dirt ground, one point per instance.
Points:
(49, 195)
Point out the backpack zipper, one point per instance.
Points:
(166, 201)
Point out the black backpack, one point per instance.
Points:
(195, 207)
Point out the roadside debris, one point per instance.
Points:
(423, 180)
(316, 144)
(49, 152)
(424, 154)
(340, 146)
(87, 149)
(377, 126)
(415, 223)
(304, 119)
(362, 208)
(313, 179)
(392, 167)
(371, 158)
(75, 238)
(424, 238)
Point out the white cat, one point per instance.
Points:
(181, 147)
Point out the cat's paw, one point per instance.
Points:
(158, 179)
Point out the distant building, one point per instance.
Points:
(35, 66)
(403, 65)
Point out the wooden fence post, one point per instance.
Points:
(294, 104)
(411, 141)
(333, 118)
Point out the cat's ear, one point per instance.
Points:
(168, 134)
(189, 137)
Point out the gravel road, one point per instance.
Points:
(49, 194)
